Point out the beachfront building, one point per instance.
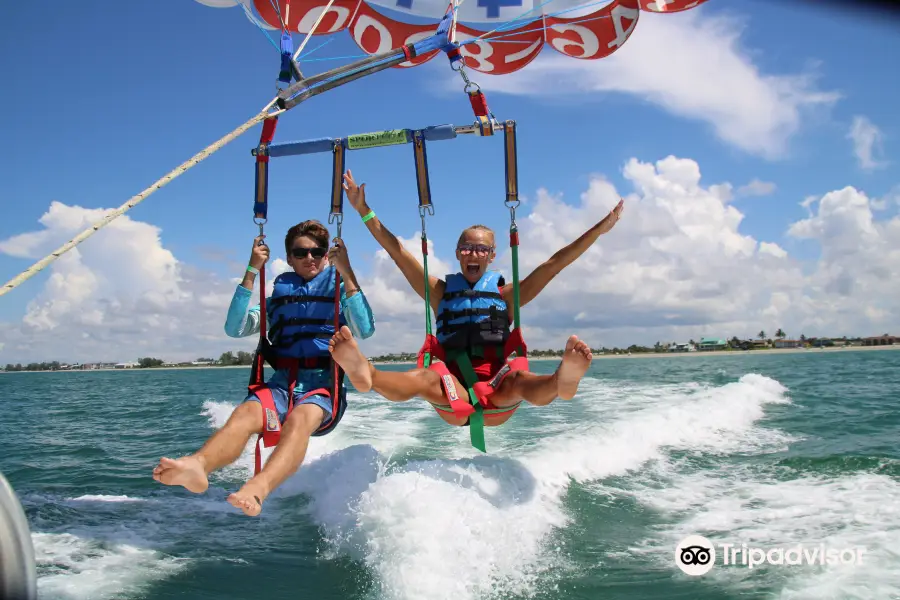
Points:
(707, 344)
(881, 340)
(684, 347)
(788, 344)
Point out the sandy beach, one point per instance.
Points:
(733, 353)
(749, 352)
(704, 353)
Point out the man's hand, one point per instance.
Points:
(337, 255)
(260, 253)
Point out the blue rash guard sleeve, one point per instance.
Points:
(242, 321)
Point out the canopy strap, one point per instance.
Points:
(261, 203)
(512, 202)
(337, 186)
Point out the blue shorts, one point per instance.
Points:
(280, 396)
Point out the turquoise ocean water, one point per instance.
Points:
(580, 500)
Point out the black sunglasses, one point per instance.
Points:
(304, 252)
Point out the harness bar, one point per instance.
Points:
(391, 137)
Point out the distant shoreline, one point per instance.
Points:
(641, 355)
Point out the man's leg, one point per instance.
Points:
(285, 460)
(223, 448)
(541, 390)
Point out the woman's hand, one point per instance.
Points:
(260, 253)
(356, 194)
(610, 220)
(337, 255)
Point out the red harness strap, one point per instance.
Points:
(271, 431)
(461, 406)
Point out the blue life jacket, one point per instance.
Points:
(472, 315)
(301, 316)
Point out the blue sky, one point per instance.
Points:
(100, 103)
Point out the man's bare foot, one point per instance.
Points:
(249, 498)
(346, 353)
(186, 471)
(575, 362)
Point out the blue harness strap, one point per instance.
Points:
(287, 49)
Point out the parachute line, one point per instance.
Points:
(260, 26)
(516, 20)
(511, 22)
(312, 29)
(322, 45)
(278, 12)
(351, 57)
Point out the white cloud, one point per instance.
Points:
(692, 65)
(117, 296)
(677, 266)
(757, 188)
(772, 249)
(867, 143)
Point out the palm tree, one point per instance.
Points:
(761, 335)
(780, 334)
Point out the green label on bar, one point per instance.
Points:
(379, 138)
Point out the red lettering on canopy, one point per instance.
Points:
(514, 49)
(374, 33)
(594, 36)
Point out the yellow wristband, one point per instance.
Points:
(368, 216)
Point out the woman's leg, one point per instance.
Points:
(541, 390)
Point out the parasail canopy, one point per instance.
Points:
(508, 34)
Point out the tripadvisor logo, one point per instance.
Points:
(696, 555)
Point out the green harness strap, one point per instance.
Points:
(427, 358)
(476, 419)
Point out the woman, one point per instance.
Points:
(482, 293)
(300, 317)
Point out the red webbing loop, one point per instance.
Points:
(260, 359)
(479, 103)
(266, 137)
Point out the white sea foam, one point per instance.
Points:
(71, 567)
(483, 527)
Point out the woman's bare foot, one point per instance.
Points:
(249, 498)
(575, 362)
(186, 471)
(346, 353)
